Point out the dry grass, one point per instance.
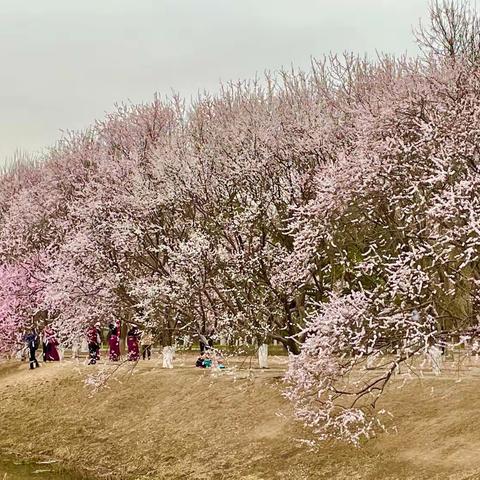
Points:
(187, 424)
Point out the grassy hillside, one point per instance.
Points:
(189, 424)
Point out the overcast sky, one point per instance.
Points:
(64, 63)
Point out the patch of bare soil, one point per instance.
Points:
(188, 423)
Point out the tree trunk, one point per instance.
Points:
(435, 356)
(263, 355)
(290, 344)
(293, 347)
(84, 346)
(76, 346)
(167, 354)
(371, 361)
(475, 350)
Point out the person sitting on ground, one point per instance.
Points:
(207, 362)
(220, 361)
(200, 363)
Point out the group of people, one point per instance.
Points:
(93, 334)
(135, 339)
(209, 359)
(49, 343)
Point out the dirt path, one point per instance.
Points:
(189, 424)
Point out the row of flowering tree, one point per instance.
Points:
(335, 211)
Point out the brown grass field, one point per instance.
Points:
(186, 423)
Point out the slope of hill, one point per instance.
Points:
(189, 424)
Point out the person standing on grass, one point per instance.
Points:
(44, 349)
(94, 341)
(32, 341)
(50, 343)
(146, 342)
(99, 339)
(206, 341)
(114, 342)
(132, 344)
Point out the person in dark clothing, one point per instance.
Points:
(206, 344)
(200, 363)
(32, 341)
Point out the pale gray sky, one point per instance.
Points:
(64, 63)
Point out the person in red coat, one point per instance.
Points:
(132, 344)
(50, 343)
(114, 342)
(94, 340)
